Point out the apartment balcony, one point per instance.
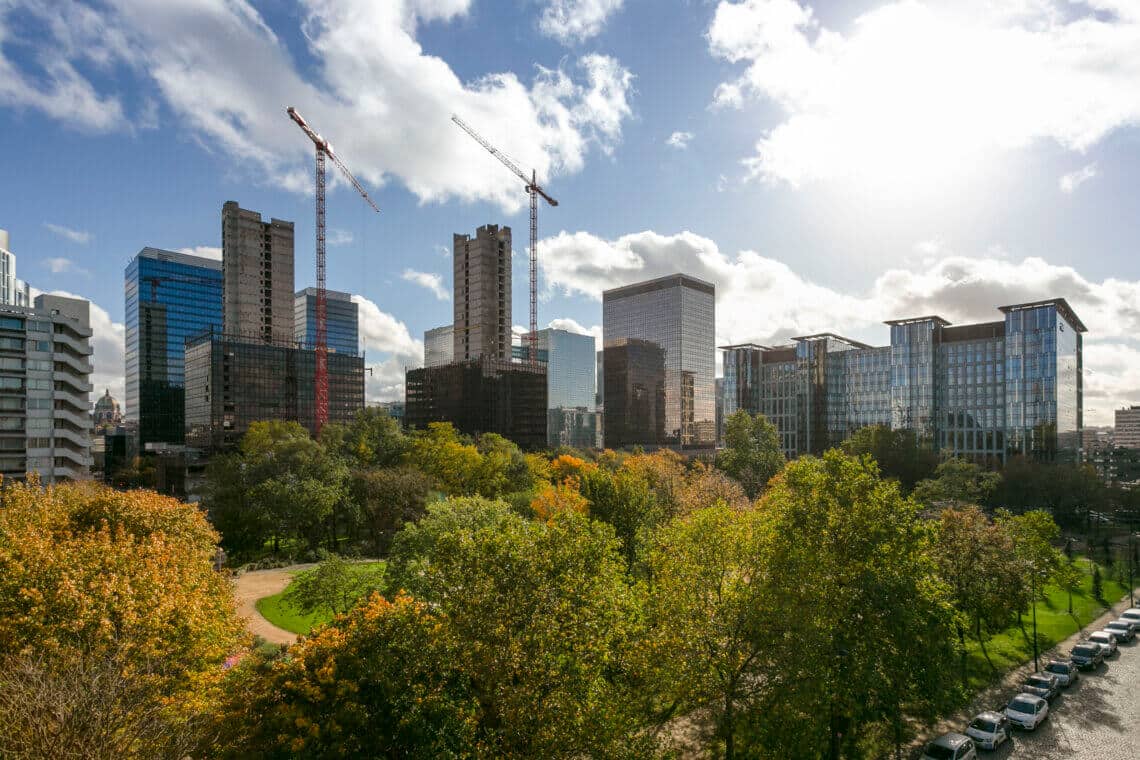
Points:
(78, 399)
(73, 381)
(78, 347)
(81, 420)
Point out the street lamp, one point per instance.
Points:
(1033, 602)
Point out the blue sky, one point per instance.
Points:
(827, 164)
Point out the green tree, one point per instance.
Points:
(389, 497)
(1097, 584)
(457, 466)
(957, 481)
(372, 439)
(898, 453)
(1033, 535)
(624, 500)
(752, 452)
(1069, 578)
(335, 585)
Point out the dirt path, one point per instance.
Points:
(256, 584)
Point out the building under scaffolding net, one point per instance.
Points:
(483, 395)
(233, 381)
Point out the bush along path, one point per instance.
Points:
(994, 696)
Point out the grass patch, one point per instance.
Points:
(1011, 647)
(284, 615)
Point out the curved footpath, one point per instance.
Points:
(256, 584)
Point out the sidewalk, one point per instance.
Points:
(995, 696)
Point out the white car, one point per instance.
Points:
(1066, 672)
(950, 747)
(989, 730)
(1131, 614)
(1027, 711)
(1106, 640)
(1125, 630)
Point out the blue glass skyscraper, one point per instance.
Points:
(170, 297)
(341, 319)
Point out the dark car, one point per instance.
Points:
(1066, 672)
(1087, 656)
(1044, 685)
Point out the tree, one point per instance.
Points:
(372, 439)
(752, 453)
(957, 481)
(335, 586)
(389, 497)
(1097, 584)
(1033, 534)
(623, 500)
(553, 499)
(898, 452)
(455, 465)
(1069, 578)
(707, 486)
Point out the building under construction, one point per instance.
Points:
(233, 381)
(483, 395)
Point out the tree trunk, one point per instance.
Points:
(982, 644)
(1070, 601)
(1021, 626)
(728, 720)
(962, 643)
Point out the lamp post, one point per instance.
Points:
(1033, 601)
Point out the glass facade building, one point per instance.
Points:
(659, 364)
(985, 391)
(570, 391)
(342, 321)
(169, 298)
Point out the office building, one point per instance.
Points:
(570, 389)
(984, 391)
(169, 298)
(258, 298)
(439, 346)
(483, 395)
(1126, 447)
(13, 292)
(659, 363)
(342, 321)
(232, 382)
(1126, 435)
(482, 283)
(45, 389)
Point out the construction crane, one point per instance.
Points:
(324, 150)
(534, 190)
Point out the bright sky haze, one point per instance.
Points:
(826, 164)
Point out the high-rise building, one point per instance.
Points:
(659, 364)
(342, 321)
(482, 282)
(232, 382)
(984, 391)
(1125, 456)
(439, 346)
(1126, 435)
(169, 298)
(258, 299)
(570, 391)
(45, 389)
(13, 292)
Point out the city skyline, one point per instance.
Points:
(706, 163)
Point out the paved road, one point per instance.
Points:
(1098, 717)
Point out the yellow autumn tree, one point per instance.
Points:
(555, 498)
(119, 585)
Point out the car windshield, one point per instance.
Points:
(1023, 706)
(1058, 667)
(1084, 650)
(1099, 637)
(1118, 626)
(938, 752)
(984, 724)
(1041, 681)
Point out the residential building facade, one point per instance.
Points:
(258, 298)
(482, 282)
(342, 321)
(45, 389)
(985, 391)
(169, 298)
(659, 364)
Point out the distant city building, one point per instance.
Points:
(984, 391)
(1126, 447)
(521, 353)
(342, 321)
(45, 389)
(13, 292)
(395, 410)
(720, 411)
(482, 283)
(439, 346)
(258, 300)
(484, 395)
(232, 382)
(106, 413)
(1097, 451)
(571, 394)
(169, 298)
(659, 363)
(1127, 432)
(600, 397)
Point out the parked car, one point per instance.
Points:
(1125, 630)
(989, 730)
(1066, 672)
(1131, 614)
(1106, 640)
(1087, 655)
(1027, 711)
(1043, 685)
(950, 747)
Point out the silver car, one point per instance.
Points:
(1106, 640)
(950, 747)
(989, 730)
(1125, 630)
(1066, 672)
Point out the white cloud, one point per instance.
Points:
(571, 325)
(225, 77)
(205, 251)
(764, 300)
(919, 92)
(570, 21)
(76, 236)
(679, 140)
(429, 280)
(339, 237)
(389, 349)
(61, 265)
(1073, 180)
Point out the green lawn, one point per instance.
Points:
(1011, 648)
(283, 615)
